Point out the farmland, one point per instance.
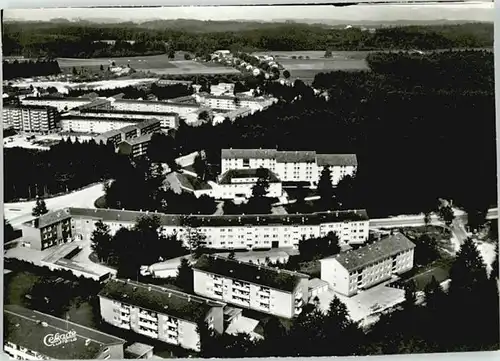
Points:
(305, 65)
(158, 64)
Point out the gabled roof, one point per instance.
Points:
(248, 153)
(295, 156)
(366, 255)
(28, 328)
(266, 276)
(336, 160)
(231, 174)
(159, 299)
(50, 218)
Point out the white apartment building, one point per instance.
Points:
(168, 120)
(277, 292)
(62, 104)
(234, 232)
(94, 125)
(230, 102)
(291, 166)
(352, 271)
(183, 109)
(159, 313)
(238, 183)
(32, 335)
(31, 119)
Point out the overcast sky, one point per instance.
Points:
(465, 11)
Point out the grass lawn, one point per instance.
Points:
(16, 285)
(191, 182)
(82, 314)
(440, 269)
(312, 268)
(292, 192)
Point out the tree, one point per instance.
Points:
(494, 266)
(231, 255)
(75, 72)
(200, 166)
(434, 295)
(187, 56)
(275, 342)
(40, 208)
(446, 214)
(328, 53)
(8, 231)
(184, 277)
(410, 295)
(196, 241)
(286, 74)
(101, 67)
(113, 63)
(204, 116)
(261, 188)
(101, 241)
(325, 186)
(171, 54)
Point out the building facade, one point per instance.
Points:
(277, 292)
(238, 183)
(95, 125)
(182, 109)
(222, 232)
(32, 335)
(48, 230)
(130, 132)
(135, 147)
(231, 103)
(62, 104)
(31, 119)
(350, 272)
(291, 166)
(159, 313)
(168, 120)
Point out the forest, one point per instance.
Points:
(84, 40)
(26, 69)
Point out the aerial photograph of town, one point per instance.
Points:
(249, 181)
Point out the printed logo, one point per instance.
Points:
(58, 339)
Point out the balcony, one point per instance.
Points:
(147, 316)
(125, 317)
(172, 333)
(148, 333)
(298, 303)
(148, 325)
(298, 311)
(125, 310)
(241, 286)
(171, 323)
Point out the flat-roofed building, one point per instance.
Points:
(291, 166)
(32, 335)
(159, 312)
(238, 183)
(31, 119)
(352, 271)
(139, 351)
(168, 120)
(95, 125)
(183, 109)
(47, 230)
(62, 104)
(129, 132)
(228, 231)
(231, 102)
(277, 292)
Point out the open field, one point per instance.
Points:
(159, 64)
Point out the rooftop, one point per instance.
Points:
(248, 153)
(157, 102)
(140, 139)
(137, 349)
(126, 112)
(159, 299)
(231, 174)
(220, 221)
(147, 123)
(28, 328)
(50, 218)
(58, 98)
(35, 107)
(316, 283)
(387, 247)
(99, 119)
(336, 160)
(295, 156)
(257, 274)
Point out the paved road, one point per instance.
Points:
(20, 212)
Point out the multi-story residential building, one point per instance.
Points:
(95, 104)
(32, 335)
(159, 313)
(62, 104)
(31, 119)
(168, 120)
(182, 109)
(222, 232)
(232, 115)
(129, 132)
(94, 125)
(291, 166)
(355, 270)
(230, 102)
(277, 292)
(48, 230)
(135, 147)
(238, 183)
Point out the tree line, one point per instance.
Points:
(134, 92)
(30, 68)
(83, 41)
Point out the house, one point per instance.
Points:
(48, 230)
(277, 292)
(31, 119)
(138, 351)
(32, 335)
(291, 166)
(238, 183)
(158, 312)
(349, 272)
(136, 146)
